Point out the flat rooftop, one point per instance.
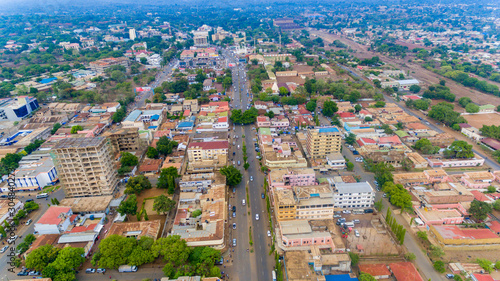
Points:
(78, 142)
(295, 227)
(359, 187)
(455, 232)
(87, 204)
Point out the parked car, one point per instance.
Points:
(450, 276)
(34, 273)
(263, 195)
(234, 208)
(269, 233)
(356, 233)
(234, 214)
(101, 270)
(337, 216)
(234, 242)
(89, 270)
(23, 272)
(346, 212)
(234, 225)
(356, 221)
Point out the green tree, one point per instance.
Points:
(128, 206)
(55, 128)
(415, 88)
(31, 206)
(283, 91)
(354, 258)
(173, 249)
(480, 210)
(410, 257)
(357, 108)
(380, 104)
(459, 149)
(350, 139)
(163, 204)
(165, 146)
(439, 266)
(366, 277)
(128, 159)
(152, 153)
(76, 129)
(496, 205)
(383, 172)
(144, 61)
(141, 254)
(485, 264)
(311, 106)
(329, 108)
(472, 108)
(137, 184)
(115, 250)
(42, 256)
(233, 175)
(464, 101)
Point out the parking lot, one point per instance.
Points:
(373, 237)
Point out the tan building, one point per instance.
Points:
(206, 156)
(191, 105)
(323, 141)
(313, 202)
(85, 166)
(125, 139)
(101, 65)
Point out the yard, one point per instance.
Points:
(478, 120)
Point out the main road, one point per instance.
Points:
(256, 263)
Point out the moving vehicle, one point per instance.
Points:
(42, 195)
(243, 202)
(251, 178)
(29, 200)
(89, 270)
(12, 239)
(4, 249)
(239, 163)
(234, 242)
(234, 225)
(127, 268)
(234, 208)
(29, 221)
(262, 196)
(269, 233)
(256, 217)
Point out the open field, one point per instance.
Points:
(425, 76)
(478, 120)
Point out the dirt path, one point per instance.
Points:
(423, 75)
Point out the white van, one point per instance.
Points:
(243, 202)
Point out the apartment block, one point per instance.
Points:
(304, 203)
(323, 141)
(354, 195)
(124, 140)
(287, 178)
(101, 65)
(204, 157)
(85, 166)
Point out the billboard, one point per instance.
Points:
(142, 89)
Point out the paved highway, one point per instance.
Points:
(261, 264)
(23, 229)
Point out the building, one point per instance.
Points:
(303, 203)
(191, 105)
(439, 162)
(207, 156)
(101, 65)
(467, 239)
(297, 233)
(287, 178)
(85, 166)
(131, 34)
(405, 85)
(137, 230)
(88, 205)
(336, 161)
(55, 220)
(378, 271)
(323, 141)
(353, 195)
(405, 271)
(35, 172)
(15, 109)
(143, 119)
(477, 180)
(472, 133)
(124, 139)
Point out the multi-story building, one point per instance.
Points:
(101, 65)
(353, 195)
(191, 105)
(132, 34)
(124, 139)
(287, 178)
(206, 156)
(55, 220)
(304, 203)
(85, 166)
(15, 109)
(35, 172)
(323, 141)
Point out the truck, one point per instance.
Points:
(127, 268)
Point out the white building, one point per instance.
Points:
(336, 161)
(353, 195)
(15, 109)
(132, 34)
(56, 220)
(405, 85)
(5, 213)
(35, 172)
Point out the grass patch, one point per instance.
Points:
(250, 241)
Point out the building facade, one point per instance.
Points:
(124, 140)
(15, 109)
(323, 141)
(354, 195)
(85, 166)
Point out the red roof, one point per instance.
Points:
(483, 277)
(262, 119)
(405, 271)
(51, 216)
(162, 133)
(210, 145)
(493, 143)
(346, 115)
(187, 112)
(392, 140)
(455, 232)
(304, 111)
(375, 269)
(90, 227)
(495, 226)
(412, 97)
(222, 119)
(219, 103)
(479, 196)
(150, 165)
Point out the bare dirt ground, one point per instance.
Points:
(478, 120)
(152, 215)
(471, 256)
(425, 76)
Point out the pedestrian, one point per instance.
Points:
(109, 277)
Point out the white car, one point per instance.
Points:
(251, 178)
(4, 249)
(256, 217)
(356, 233)
(346, 211)
(269, 233)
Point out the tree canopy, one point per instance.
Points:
(233, 175)
(480, 210)
(137, 184)
(163, 204)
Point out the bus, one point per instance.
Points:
(274, 275)
(42, 195)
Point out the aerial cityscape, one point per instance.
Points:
(250, 140)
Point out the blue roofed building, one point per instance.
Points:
(143, 119)
(323, 141)
(15, 109)
(340, 277)
(48, 80)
